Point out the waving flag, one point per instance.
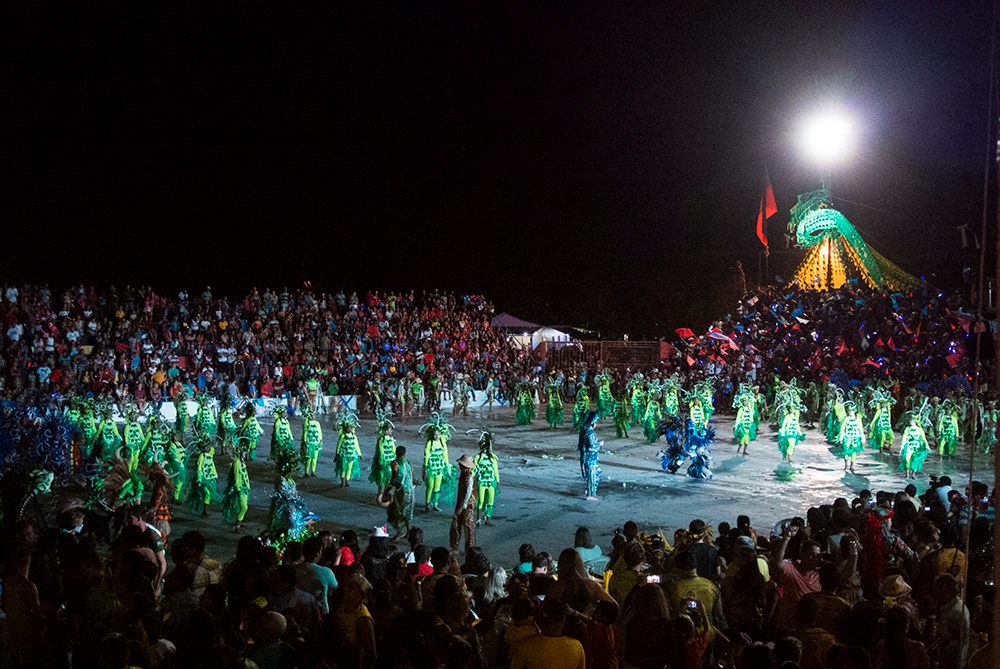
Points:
(765, 210)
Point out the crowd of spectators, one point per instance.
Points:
(878, 582)
(920, 338)
(136, 342)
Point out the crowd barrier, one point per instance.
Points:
(328, 404)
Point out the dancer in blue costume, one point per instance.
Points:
(590, 447)
(671, 457)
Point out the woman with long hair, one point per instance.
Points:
(649, 633)
(574, 587)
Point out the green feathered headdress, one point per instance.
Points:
(439, 422)
(348, 419)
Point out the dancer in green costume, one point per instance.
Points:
(914, 447)
(486, 470)
(635, 391)
(226, 429)
(835, 416)
(460, 395)
(437, 470)
(237, 495)
(250, 430)
(525, 404)
(281, 435)
(73, 413)
(157, 442)
(745, 424)
(580, 407)
(88, 426)
(652, 416)
(204, 420)
(348, 456)
(671, 398)
(181, 419)
(947, 428)
(134, 438)
(554, 404)
(400, 493)
(605, 400)
(108, 439)
(385, 453)
(852, 436)
(789, 432)
(987, 440)
(312, 440)
(697, 411)
(176, 459)
(704, 391)
(622, 414)
(202, 491)
(880, 434)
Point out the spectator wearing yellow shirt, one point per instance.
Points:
(550, 649)
(702, 590)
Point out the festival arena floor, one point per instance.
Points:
(541, 499)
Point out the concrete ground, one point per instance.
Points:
(541, 499)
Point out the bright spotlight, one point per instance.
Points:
(826, 137)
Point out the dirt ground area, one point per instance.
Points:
(541, 498)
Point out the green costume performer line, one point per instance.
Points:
(605, 400)
(385, 453)
(880, 434)
(312, 441)
(250, 430)
(554, 405)
(745, 424)
(580, 407)
(203, 491)
(947, 428)
(176, 465)
(525, 405)
(108, 438)
(652, 416)
(348, 449)
(134, 438)
(914, 447)
(237, 496)
(851, 437)
(789, 433)
(486, 471)
(438, 471)
(281, 436)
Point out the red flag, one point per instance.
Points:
(766, 210)
(684, 333)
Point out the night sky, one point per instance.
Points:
(594, 163)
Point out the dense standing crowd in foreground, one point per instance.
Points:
(876, 582)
